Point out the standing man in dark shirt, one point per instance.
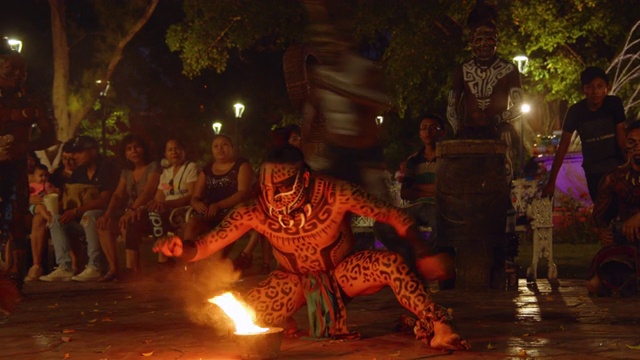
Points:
(93, 171)
(600, 122)
(21, 116)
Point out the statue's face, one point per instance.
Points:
(13, 71)
(283, 188)
(484, 42)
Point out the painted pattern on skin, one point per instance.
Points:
(318, 247)
(481, 81)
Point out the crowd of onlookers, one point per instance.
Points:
(86, 203)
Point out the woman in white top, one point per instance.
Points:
(174, 190)
(176, 182)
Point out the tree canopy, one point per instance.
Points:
(418, 41)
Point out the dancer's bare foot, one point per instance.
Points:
(445, 337)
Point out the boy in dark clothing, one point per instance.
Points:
(600, 122)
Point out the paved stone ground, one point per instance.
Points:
(170, 320)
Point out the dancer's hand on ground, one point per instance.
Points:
(169, 246)
(436, 267)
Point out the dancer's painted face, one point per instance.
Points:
(283, 188)
(484, 42)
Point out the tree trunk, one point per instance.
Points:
(69, 119)
(60, 91)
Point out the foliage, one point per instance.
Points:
(116, 124)
(211, 29)
(625, 69)
(561, 38)
(575, 223)
(92, 36)
(419, 42)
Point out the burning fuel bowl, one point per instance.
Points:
(265, 345)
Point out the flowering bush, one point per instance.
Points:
(572, 221)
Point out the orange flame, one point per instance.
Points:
(241, 315)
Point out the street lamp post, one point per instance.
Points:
(216, 126)
(239, 110)
(379, 120)
(522, 61)
(525, 110)
(104, 89)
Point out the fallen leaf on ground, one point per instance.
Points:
(490, 346)
(634, 347)
(68, 331)
(107, 319)
(522, 352)
(395, 354)
(147, 353)
(66, 338)
(52, 306)
(67, 356)
(147, 341)
(129, 297)
(92, 321)
(525, 334)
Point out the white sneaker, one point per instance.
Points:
(90, 273)
(61, 273)
(34, 273)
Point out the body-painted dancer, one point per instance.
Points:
(487, 93)
(300, 214)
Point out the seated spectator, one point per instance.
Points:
(84, 199)
(39, 186)
(221, 185)
(616, 216)
(177, 183)
(39, 231)
(418, 186)
(137, 185)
